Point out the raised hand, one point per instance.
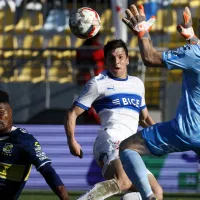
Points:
(136, 21)
(186, 29)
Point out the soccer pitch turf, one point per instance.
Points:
(37, 195)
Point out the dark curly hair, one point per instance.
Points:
(4, 97)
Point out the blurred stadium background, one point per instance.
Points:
(38, 68)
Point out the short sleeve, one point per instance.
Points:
(143, 103)
(88, 95)
(35, 153)
(184, 58)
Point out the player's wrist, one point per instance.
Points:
(141, 29)
(143, 35)
(194, 40)
(71, 139)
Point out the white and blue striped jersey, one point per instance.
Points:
(118, 102)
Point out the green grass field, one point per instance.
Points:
(37, 195)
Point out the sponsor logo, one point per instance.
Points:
(7, 149)
(39, 153)
(127, 101)
(111, 88)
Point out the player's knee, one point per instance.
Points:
(158, 192)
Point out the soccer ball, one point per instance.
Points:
(85, 23)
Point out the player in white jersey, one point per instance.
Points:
(119, 101)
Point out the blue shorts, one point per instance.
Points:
(162, 138)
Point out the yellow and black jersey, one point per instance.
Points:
(17, 153)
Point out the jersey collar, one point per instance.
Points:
(5, 137)
(116, 78)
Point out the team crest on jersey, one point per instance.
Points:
(7, 149)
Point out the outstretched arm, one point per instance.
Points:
(150, 56)
(136, 21)
(54, 181)
(70, 123)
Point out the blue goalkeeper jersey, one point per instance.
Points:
(17, 153)
(187, 120)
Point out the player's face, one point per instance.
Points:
(116, 62)
(5, 118)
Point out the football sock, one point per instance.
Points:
(101, 190)
(136, 171)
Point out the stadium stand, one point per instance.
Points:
(179, 4)
(60, 71)
(194, 4)
(7, 43)
(40, 46)
(133, 44)
(57, 21)
(60, 41)
(29, 47)
(106, 21)
(7, 19)
(171, 22)
(32, 71)
(158, 26)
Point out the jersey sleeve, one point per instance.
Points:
(184, 58)
(143, 103)
(88, 95)
(35, 153)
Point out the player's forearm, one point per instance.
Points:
(149, 120)
(61, 192)
(54, 181)
(150, 56)
(70, 123)
(145, 119)
(143, 124)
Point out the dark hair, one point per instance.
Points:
(4, 97)
(114, 44)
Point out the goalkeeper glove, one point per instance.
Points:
(186, 30)
(136, 21)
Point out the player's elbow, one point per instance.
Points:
(152, 59)
(148, 60)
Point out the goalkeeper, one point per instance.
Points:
(181, 133)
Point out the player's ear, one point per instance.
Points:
(11, 112)
(127, 62)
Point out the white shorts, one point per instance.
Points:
(106, 147)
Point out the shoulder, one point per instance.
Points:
(21, 134)
(101, 77)
(135, 79)
(136, 83)
(19, 130)
(96, 79)
(180, 52)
